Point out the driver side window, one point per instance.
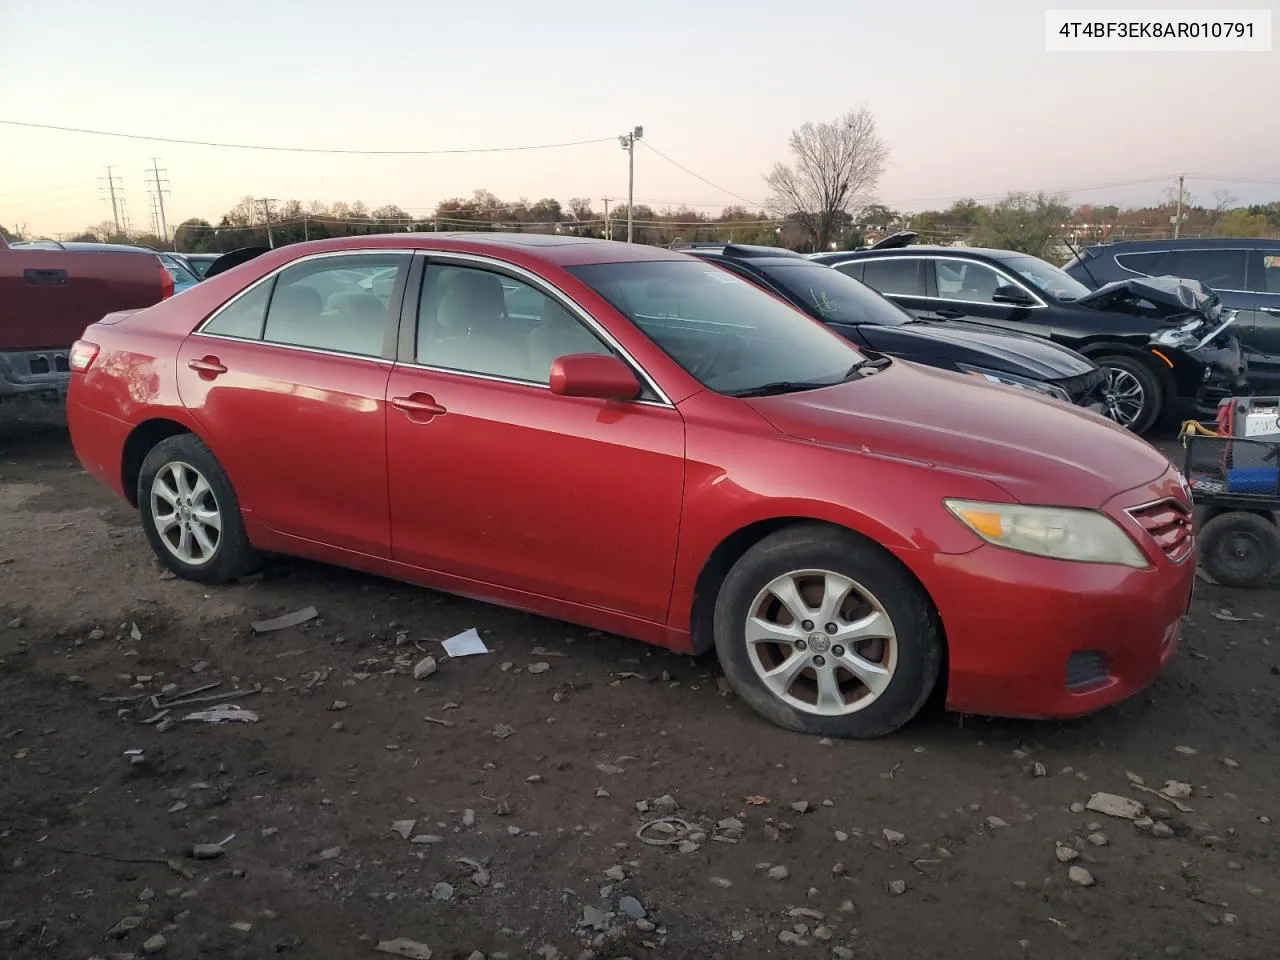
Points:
(966, 281)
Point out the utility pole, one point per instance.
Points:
(159, 189)
(113, 184)
(1177, 217)
(306, 231)
(628, 142)
(608, 227)
(266, 210)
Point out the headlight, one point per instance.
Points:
(1060, 533)
(1022, 383)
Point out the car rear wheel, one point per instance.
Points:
(190, 513)
(823, 632)
(1131, 393)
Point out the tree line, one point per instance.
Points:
(822, 197)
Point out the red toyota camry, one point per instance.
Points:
(634, 440)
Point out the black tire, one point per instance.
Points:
(1240, 549)
(232, 555)
(919, 651)
(1152, 392)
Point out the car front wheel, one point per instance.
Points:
(190, 513)
(1131, 394)
(823, 632)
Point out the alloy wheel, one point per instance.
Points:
(186, 513)
(821, 642)
(1124, 396)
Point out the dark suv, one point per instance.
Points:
(1244, 273)
(871, 322)
(1164, 343)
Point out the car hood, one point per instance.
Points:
(979, 347)
(1164, 298)
(1038, 450)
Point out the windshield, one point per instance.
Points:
(837, 297)
(1046, 277)
(727, 333)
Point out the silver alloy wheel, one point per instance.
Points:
(186, 513)
(821, 643)
(1124, 396)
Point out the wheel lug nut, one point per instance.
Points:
(801, 645)
(830, 628)
(819, 661)
(807, 624)
(837, 651)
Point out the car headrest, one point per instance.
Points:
(474, 301)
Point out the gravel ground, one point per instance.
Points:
(491, 808)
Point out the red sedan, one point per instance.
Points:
(631, 439)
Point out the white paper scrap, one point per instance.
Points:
(465, 644)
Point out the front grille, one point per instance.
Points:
(1085, 669)
(1084, 388)
(1170, 525)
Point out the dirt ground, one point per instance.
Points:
(527, 786)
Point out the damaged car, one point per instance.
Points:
(1165, 344)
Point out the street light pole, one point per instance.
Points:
(628, 142)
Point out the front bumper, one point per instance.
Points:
(1039, 638)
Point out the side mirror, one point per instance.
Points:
(1009, 293)
(593, 375)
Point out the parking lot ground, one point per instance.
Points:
(523, 784)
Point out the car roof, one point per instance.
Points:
(1212, 243)
(754, 254)
(929, 249)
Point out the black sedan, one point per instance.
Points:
(869, 320)
(1161, 341)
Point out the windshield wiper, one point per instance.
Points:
(778, 386)
(865, 366)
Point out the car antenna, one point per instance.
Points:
(1083, 264)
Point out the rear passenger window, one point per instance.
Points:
(1218, 269)
(1146, 264)
(243, 316)
(892, 276)
(339, 304)
(852, 269)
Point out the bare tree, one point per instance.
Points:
(834, 170)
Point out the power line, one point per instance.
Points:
(698, 176)
(278, 149)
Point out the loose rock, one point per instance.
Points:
(632, 908)
(594, 918)
(995, 823)
(1115, 806)
(897, 887)
(207, 851)
(540, 667)
(424, 668)
(1066, 854)
(442, 892)
(154, 944)
(722, 882)
(404, 828)
(1185, 751)
(800, 806)
(1080, 876)
(1161, 829)
(124, 928)
(894, 837)
(779, 873)
(616, 873)
(1098, 839)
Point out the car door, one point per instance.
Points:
(495, 479)
(1263, 318)
(901, 279)
(289, 386)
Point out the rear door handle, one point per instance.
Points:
(207, 367)
(44, 278)
(419, 406)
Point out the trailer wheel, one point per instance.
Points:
(1240, 549)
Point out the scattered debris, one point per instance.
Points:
(402, 947)
(540, 667)
(338, 705)
(124, 927)
(779, 872)
(1184, 808)
(1185, 751)
(594, 918)
(465, 644)
(285, 621)
(1161, 829)
(424, 668)
(1226, 616)
(722, 882)
(995, 823)
(1231, 764)
(442, 892)
(223, 713)
(154, 944)
(674, 831)
(404, 828)
(544, 652)
(897, 888)
(894, 837)
(442, 723)
(1115, 806)
(502, 731)
(1098, 839)
(756, 801)
(1066, 854)
(632, 908)
(610, 769)
(1176, 790)
(800, 806)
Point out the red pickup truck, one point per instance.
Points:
(48, 297)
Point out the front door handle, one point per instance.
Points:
(420, 407)
(44, 278)
(208, 367)
(948, 313)
(1274, 311)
